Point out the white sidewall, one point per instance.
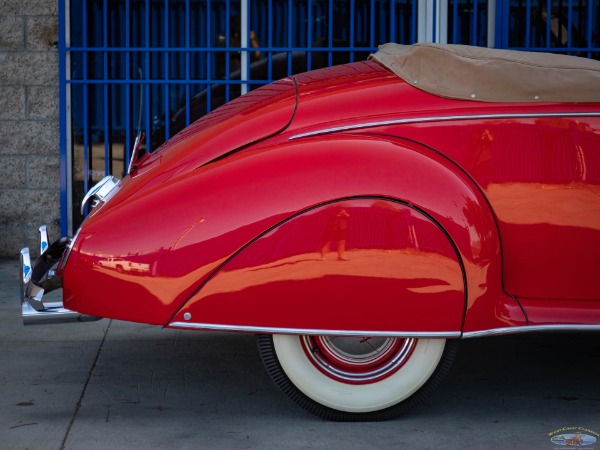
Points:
(358, 398)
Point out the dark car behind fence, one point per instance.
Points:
(158, 65)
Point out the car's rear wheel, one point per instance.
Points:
(349, 378)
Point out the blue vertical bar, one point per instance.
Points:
(570, 25)
(167, 74)
(455, 39)
(106, 100)
(147, 107)
(208, 55)
(475, 26)
(330, 33)
(63, 117)
(126, 154)
(227, 57)
(187, 62)
(270, 39)
(528, 24)
(589, 28)
(85, 100)
(351, 40)
(500, 11)
(548, 23)
(372, 25)
(392, 33)
(309, 39)
(413, 31)
(246, 51)
(290, 37)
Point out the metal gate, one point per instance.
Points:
(157, 65)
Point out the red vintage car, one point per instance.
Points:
(360, 219)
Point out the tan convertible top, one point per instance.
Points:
(485, 74)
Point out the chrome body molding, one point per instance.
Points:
(441, 119)
(301, 331)
(530, 329)
(407, 334)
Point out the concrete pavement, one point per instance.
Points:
(113, 385)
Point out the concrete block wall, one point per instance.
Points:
(29, 123)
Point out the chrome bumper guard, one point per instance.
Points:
(41, 279)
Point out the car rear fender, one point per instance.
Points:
(422, 245)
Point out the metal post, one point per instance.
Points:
(422, 10)
(433, 21)
(441, 23)
(245, 40)
(491, 24)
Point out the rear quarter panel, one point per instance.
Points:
(190, 227)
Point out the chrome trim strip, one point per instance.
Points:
(441, 119)
(529, 329)
(408, 334)
(301, 331)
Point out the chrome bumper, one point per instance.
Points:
(41, 279)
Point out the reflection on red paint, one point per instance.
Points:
(397, 266)
(336, 233)
(542, 179)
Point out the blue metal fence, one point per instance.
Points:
(157, 65)
(565, 26)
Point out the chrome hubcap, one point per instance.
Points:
(357, 359)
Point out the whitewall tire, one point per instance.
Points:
(356, 378)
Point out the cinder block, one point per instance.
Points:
(30, 7)
(29, 68)
(12, 102)
(12, 239)
(12, 33)
(29, 206)
(42, 102)
(29, 138)
(42, 32)
(16, 235)
(13, 172)
(29, 123)
(43, 172)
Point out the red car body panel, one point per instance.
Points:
(284, 270)
(211, 211)
(542, 179)
(258, 115)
